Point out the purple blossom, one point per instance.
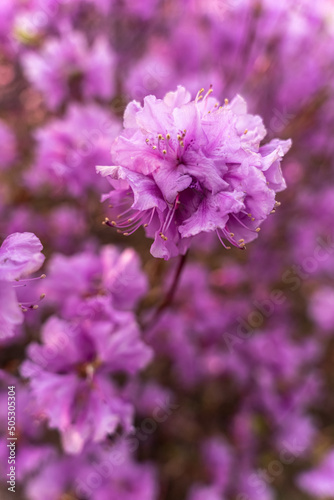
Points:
(20, 255)
(110, 273)
(70, 372)
(319, 482)
(199, 492)
(67, 58)
(218, 458)
(183, 167)
(69, 148)
(31, 452)
(99, 473)
(63, 226)
(321, 310)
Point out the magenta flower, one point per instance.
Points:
(20, 255)
(67, 59)
(116, 472)
(111, 273)
(319, 482)
(184, 167)
(68, 149)
(70, 372)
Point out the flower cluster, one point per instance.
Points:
(20, 255)
(183, 167)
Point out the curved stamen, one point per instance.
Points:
(244, 225)
(221, 241)
(170, 215)
(129, 225)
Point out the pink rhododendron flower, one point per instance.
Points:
(184, 167)
(20, 255)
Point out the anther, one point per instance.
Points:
(273, 211)
(258, 229)
(160, 137)
(246, 130)
(226, 101)
(164, 151)
(154, 147)
(168, 137)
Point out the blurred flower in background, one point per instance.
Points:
(209, 376)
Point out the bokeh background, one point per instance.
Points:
(243, 357)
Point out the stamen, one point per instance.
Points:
(170, 215)
(221, 241)
(199, 96)
(208, 92)
(27, 280)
